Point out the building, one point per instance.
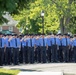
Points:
(9, 27)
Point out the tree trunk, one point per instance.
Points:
(62, 25)
(68, 17)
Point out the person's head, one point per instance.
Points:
(60, 35)
(71, 38)
(9, 35)
(55, 35)
(20, 36)
(0, 35)
(4, 35)
(65, 35)
(43, 35)
(68, 35)
(15, 35)
(74, 35)
(52, 35)
(49, 35)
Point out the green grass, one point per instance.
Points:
(8, 72)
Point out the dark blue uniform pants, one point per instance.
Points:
(38, 54)
(60, 54)
(15, 55)
(21, 55)
(43, 54)
(74, 49)
(31, 55)
(1, 56)
(65, 53)
(54, 53)
(8, 56)
(70, 54)
(25, 54)
(49, 54)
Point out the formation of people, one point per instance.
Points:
(31, 49)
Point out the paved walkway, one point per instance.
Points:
(40, 73)
(66, 68)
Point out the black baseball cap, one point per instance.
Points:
(0, 33)
(74, 35)
(65, 34)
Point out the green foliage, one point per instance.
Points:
(27, 12)
(34, 26)
(12, 6)
(33, 17)
(2, 20)
(66, 10)
(7, 5)
(72, 25)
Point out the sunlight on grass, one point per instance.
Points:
(8, 72)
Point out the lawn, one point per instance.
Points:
(8, 72)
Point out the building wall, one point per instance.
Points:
(15, 30)
(5, 27)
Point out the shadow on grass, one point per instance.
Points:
(1, 73)
(29, 70)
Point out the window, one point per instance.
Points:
(0, 28)
(10, 28)
(20, 30)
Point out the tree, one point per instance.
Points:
(32, 15)
(65, 10)
(12, 6)
(58, 14)
(72, 25)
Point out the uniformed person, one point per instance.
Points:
(8, 51)
(43, 48)
(49, 48)
(74, 48)
(65, 47)
(2, 47)
(37, 49)
(71, 50)
(54, 47)
(31, 44)
(16, 45)
(60, 53)
(25, 49)
(22, 46)
(4, 37)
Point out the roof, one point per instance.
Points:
(11, 21)
(7, 32)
